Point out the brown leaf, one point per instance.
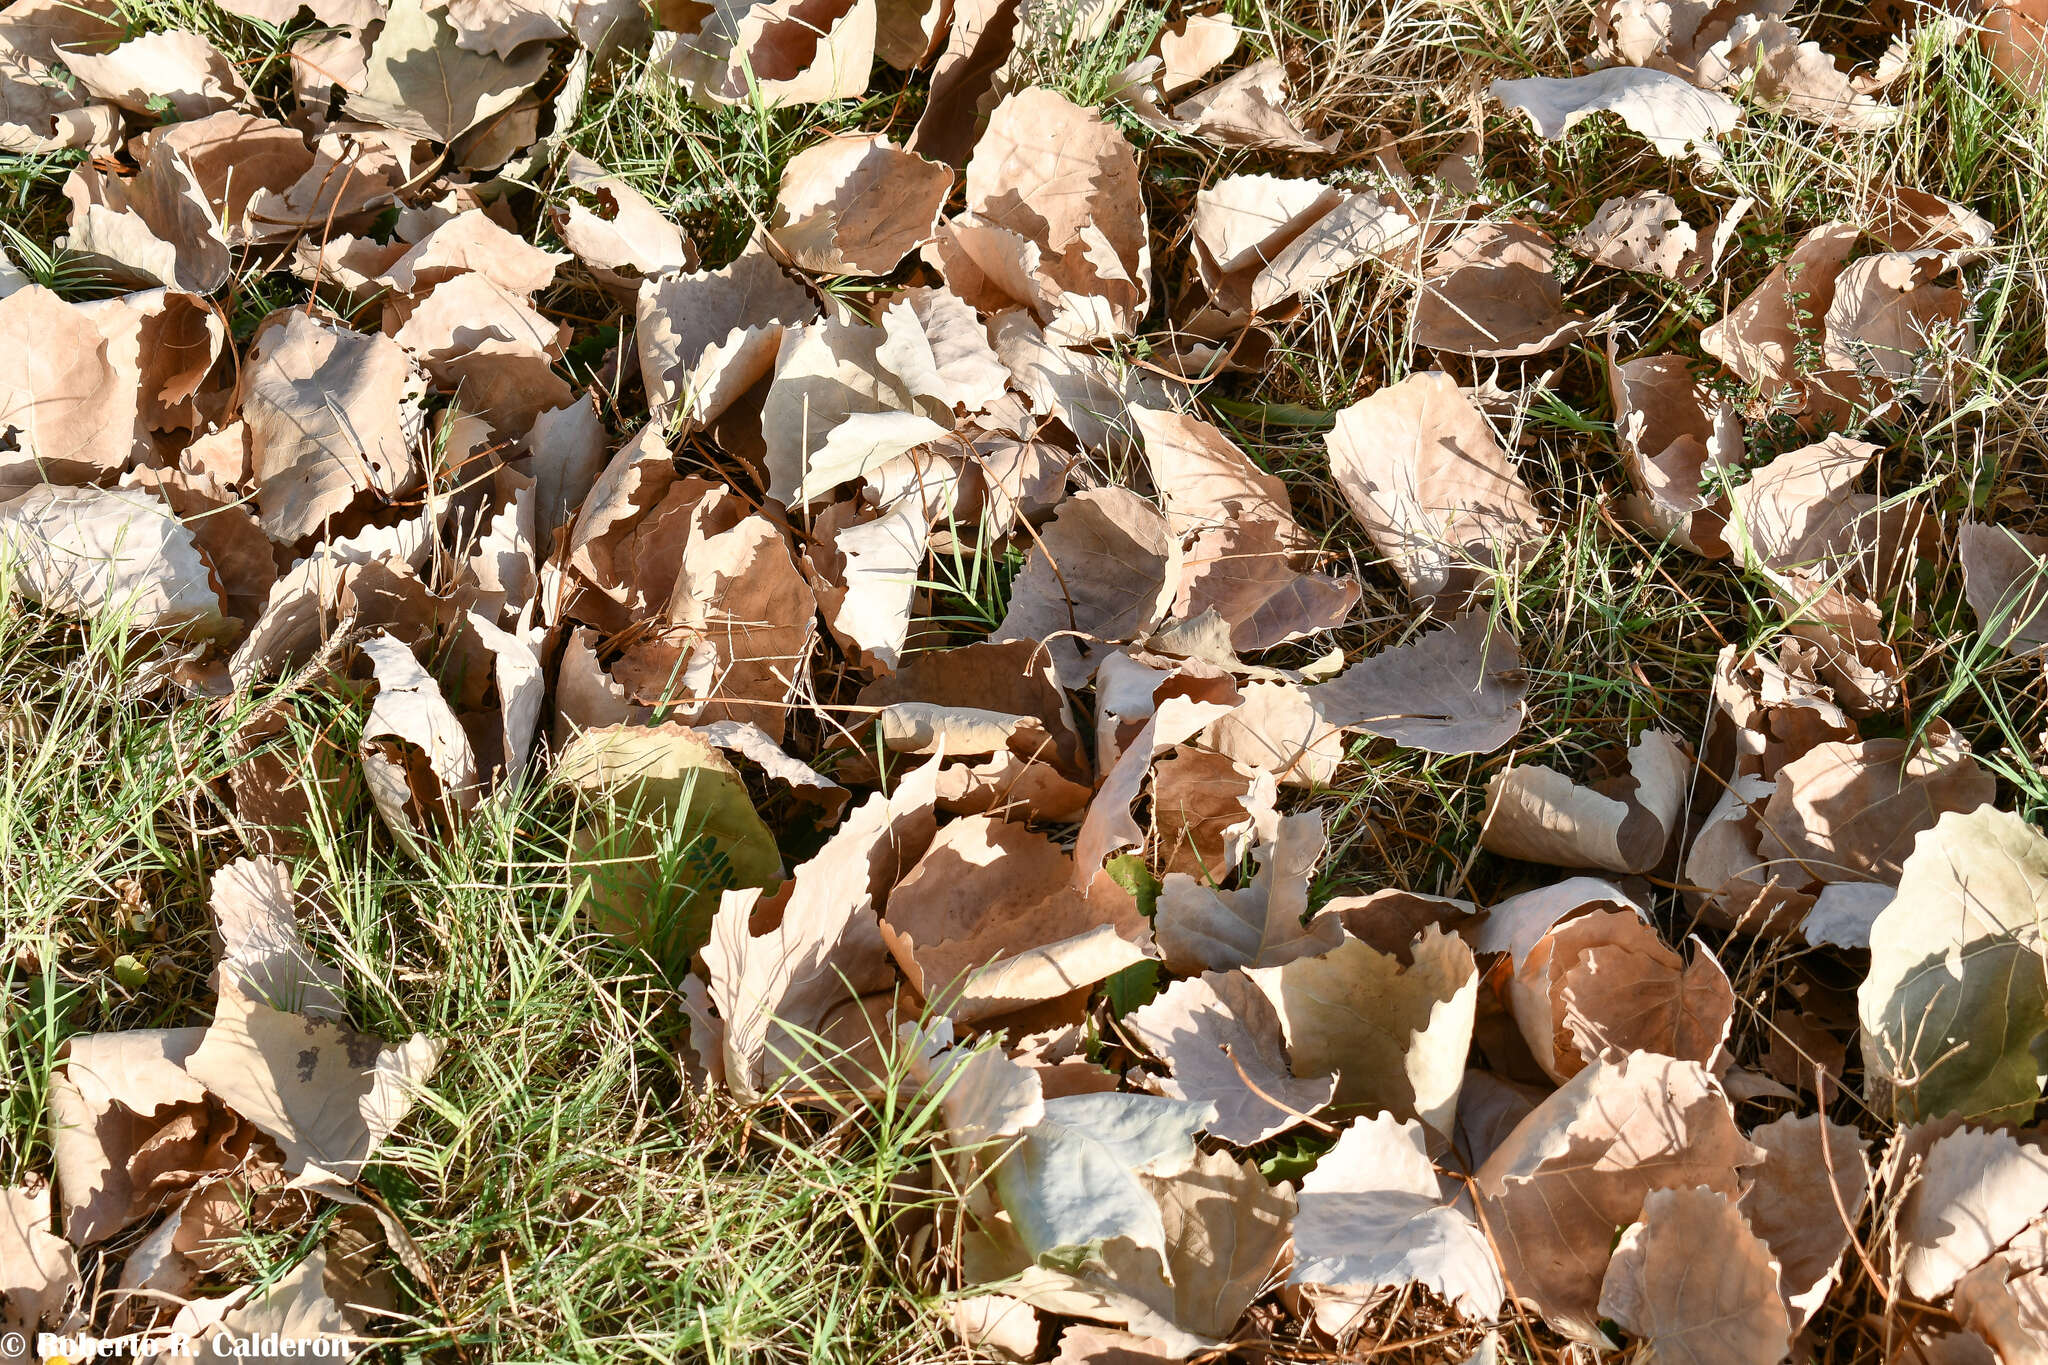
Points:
(1201, 928)
(1108, 825)
(1434, 491)
(855, 204)
(1765, 338)
(262, 953)
(1655, 1288)
(744, 622)
(1373, 1217)
(421, 81)
(1105, 569)
(1643, 232)
(417, 758)
(1892, 331)
(1615, 985)
(327, 1095)
(1202, 809)
(1065, 180)
(773, 988)
(1245, 573)
(1192, 48)
(1849, 811)
(2005, 578)
(1847, 633)
(1458, 690)
(706, 338)
(838, 410)
(1277, 730)
(1673, 430)
(989, 922)
(614, 230)
(39, 1284)
(1204, 480)
(1494, 292)
(1250, 108)
(1395, 1028)
(327, 410)
(1621, 823)
(1804, 1202)
(1791, 77)
(1220, 1037)
(1974, 1190)
(109, 553)
(57, 395)
(2007, 1304)
(103, 1104)
(1673, 116)
(777, 52)
(175, 66)
(1577, 1170)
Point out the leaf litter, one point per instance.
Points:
(1066, 858)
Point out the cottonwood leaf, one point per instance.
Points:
(1458, 690)
(1621, 824)
(1718, 1309)
(420, 80)
(1073, 1183)
(327, 1095)
(1673, 116)
(1258, 925)
(262, 952)
(1804, 1202)
(1971, 1193)
(989, 921)
(1574, 1173)
(1220, 1036)
(1396, 1032)
(1373, 1217)
(1431, 486)
(644, 788)
(1955, 1006)
(106, 552)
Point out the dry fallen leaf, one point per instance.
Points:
(1103, 570)
(1374, 1217)
(1645, 232)
(1576, 1170)
(1431, 486)
(2005, 578)
(1220, 1037)
(109, 554)
(1850, 811)
(420, 80)
(1673, 434)
(1956, 999)
(1457, 690)
(856, 205)
(327, 1095)
(1654, 1288)
(1393, 1026)
(774, 989)
(1972, 1191)
(1621, 824)
(1763, 338)
(988, 922)
(417, 759)
(262, 953)
(1805, 1202)
(1673, 116)
(1493, 291)
(39, 1284)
